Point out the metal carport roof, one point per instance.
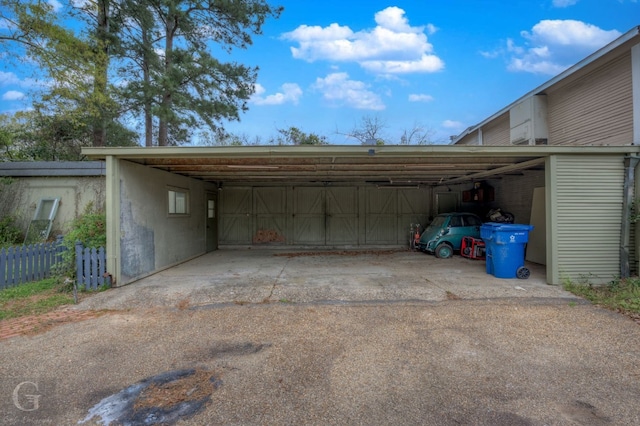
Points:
(428, 165)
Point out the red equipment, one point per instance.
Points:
(473, 248)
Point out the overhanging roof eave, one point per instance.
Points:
(140, 153)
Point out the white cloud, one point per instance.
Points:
(415, 97)
(291, 92)
(564, 3)
(554, 45)
(570, 33)
(55, 5)
(13, 95)
(453, 125)
(338, 89)
(393, 46)
(7, 78)
(11, 79)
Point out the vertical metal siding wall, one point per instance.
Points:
(587, 194)
(596, 109)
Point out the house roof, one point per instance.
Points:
(613, 49)
(52, 168)
(427, 165)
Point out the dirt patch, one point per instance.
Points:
(163, 399)
(268, 236)
(195, 386)
(35, 324)
(183, 304)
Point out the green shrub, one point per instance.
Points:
(91, 230)
(10, 234)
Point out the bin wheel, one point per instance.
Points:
(523, 273)
(444, 251)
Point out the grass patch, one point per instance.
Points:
(32, 299)
(622, 295)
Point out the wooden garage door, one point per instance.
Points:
(308, 216)
(413, 205)
(235, 216)
(270, 207)
(342, 215)
(381, 220)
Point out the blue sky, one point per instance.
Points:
(440, 65)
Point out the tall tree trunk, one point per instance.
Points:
(100, 74)
(166, 102)
(147, 47)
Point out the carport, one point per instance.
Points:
(169, 205)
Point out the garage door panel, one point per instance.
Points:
(381, 217)
(342, 215)
(270, 207)
(413, 207)
(308, 216)
(235, 216)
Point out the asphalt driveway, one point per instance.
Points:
(310, 347)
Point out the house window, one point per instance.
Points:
(211, 209)
(178, 201)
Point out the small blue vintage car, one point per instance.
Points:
(444, 235)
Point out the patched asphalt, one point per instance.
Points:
(445, 348)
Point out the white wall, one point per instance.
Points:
(151, 239)
(19, 197)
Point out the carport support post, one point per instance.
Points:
(113, 218)
(630, 164)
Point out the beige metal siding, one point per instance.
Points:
(587, 195)
(470, 139)
(596, 109)
(497, 131)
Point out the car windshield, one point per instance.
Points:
(438, 222)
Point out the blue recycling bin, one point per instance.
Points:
(504, 247)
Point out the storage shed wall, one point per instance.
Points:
(584, 202)
(151, 239)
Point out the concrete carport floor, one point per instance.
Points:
(325, 276)
(386, 348)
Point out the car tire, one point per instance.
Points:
(444, 251)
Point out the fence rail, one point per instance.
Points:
(34, 262)
(23, 264)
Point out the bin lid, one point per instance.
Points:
(506, 227)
